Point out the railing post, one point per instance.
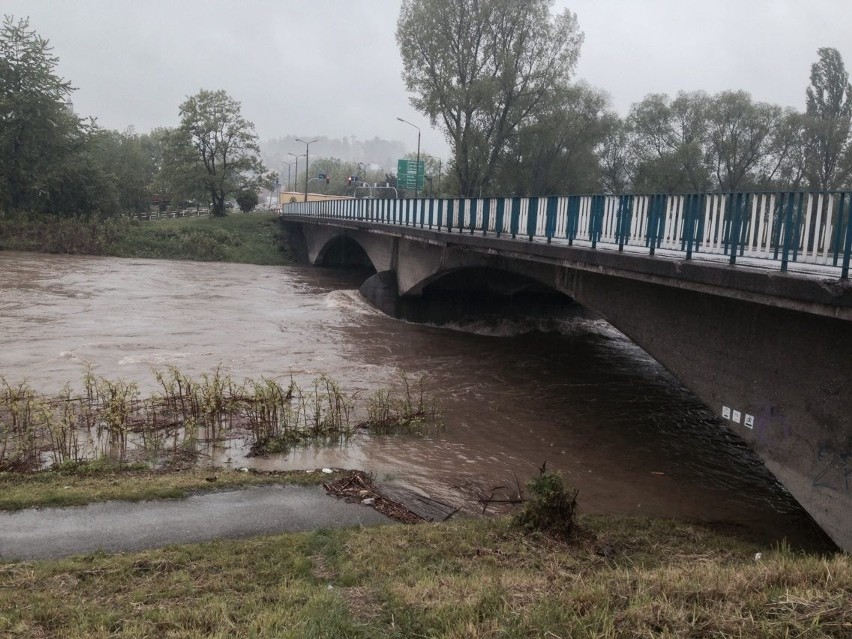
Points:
(473, 208)
(656, 210)
(596, 219)
(847, 249)
(788, 223)
(798, 202)
(501, 211)
(431, 211)
(688, 225)
(486, 214)
(532, 217)
(838, 230)
(573, 218)
(440, 220)
(450, 205)
(623, 220)
(738, 203)
(515, 220)
(460, 215)
(550, 220)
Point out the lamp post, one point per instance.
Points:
(289, 164)
(416, 166)
(296, 172)
(307, 144)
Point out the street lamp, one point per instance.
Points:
(307, 144)
(296, 172)
(416, 166)
(289, 164)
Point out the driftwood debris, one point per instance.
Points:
(357, 486)
(490, 495)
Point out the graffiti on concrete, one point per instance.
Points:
(834, 468)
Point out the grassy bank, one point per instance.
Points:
(251, 238)
(622, 578)
(78, 484)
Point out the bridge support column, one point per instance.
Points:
(382, 292)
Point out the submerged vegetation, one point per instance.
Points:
(251, 238)
(111, 420)
(622, 577)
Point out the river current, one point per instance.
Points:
(574, 393)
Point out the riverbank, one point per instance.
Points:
(620, 577)
(250, 238)
(90, 483)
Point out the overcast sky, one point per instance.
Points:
(332, 67)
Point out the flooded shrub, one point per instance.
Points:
(20, 413)
(550, 507)
(268, 411)
(62, 429)
(405, 408)
(110, 420)
(279, 420)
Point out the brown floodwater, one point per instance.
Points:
(514, 394)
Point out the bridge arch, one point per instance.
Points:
(344, 250)
(474, 293)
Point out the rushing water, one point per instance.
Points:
(574, 393)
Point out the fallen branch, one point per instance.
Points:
(358, 487)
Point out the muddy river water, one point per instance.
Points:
(574, 393)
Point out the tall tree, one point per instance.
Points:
(215, 149)
(739, 135)
(670, 143)
(556, 152)
(480, 70)
(783, 167)
(38, 128)
(616, 156)
(827, 122)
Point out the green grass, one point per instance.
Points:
(251, 238)
(479, 578)
(75, 485)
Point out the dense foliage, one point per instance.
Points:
(495, 77)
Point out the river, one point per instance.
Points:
(574, 393)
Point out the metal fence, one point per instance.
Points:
(784, 228)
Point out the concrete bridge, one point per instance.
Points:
(744, 297)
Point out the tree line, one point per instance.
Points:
(496, 77)
(54, 161)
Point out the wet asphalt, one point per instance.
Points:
(41, 533)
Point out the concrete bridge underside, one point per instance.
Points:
(769, 353)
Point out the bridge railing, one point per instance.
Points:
(783, 227)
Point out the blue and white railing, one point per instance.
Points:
(785, 227)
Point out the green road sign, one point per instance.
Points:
(407, 175)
